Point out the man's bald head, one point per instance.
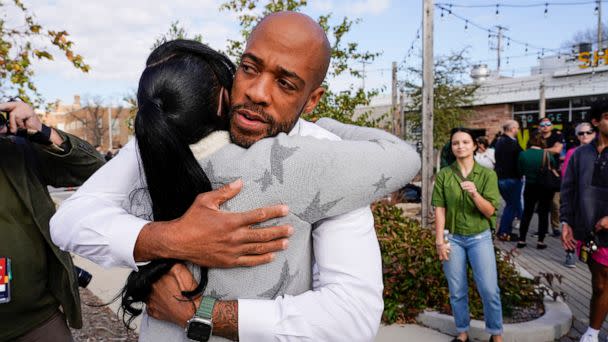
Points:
(301, 30)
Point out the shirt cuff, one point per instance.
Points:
(122, 239)
(257, 320)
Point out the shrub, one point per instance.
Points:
(414, 279)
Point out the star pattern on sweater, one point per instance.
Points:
(381, 184)
(278, 155)
(316, 210)
(266, 181)
(281, 286)
(213, 293)
(215, 179)
(377, 142)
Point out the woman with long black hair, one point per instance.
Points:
(180, 130)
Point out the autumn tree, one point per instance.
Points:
(176, 31)
(453, 95)
(337, 105)
(19, 47)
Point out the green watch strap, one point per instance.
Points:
(205, 310)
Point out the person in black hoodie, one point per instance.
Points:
(584, 213)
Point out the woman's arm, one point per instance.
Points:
(322, 178)
(486, 196)
(442, 247)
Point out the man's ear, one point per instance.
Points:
(223, 102)
(313, 99)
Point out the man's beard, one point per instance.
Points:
(272, 130)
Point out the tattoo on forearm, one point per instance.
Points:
(225, 319)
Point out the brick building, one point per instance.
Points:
(90, 122)
(566, 87)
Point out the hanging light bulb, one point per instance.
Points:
(546, 9)
(450, 9)
(466, 25)
(508, 41)
(596, 11)
(507, 60)
(489, 34)
(497, 9)
(542, 52)
(526, 47)
(442, 12)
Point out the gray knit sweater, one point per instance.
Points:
(316, 179)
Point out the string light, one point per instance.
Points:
(497, 10)
(526, 4)
(546, 9)
(491, 32)
(466, 25)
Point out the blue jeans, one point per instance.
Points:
(479, 250)
(510, 190)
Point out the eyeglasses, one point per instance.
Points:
(545, 124)
(580, 134)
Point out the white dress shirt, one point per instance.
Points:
(345, 303)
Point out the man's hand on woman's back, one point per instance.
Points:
(206, 236)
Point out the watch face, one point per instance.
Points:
(199, 331)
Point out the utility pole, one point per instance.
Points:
(394, 108)
(110, 145)
(402, 114)
(363, 74)
(599, 26)
(427, 109)
(499, 46)
(542, 102)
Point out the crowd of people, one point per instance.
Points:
(217, 146)
(562, 183)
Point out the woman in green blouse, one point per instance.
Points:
(465, 198)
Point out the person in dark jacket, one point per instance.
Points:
(509, 180)
(584, 209)
(41, 290)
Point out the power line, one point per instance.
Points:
(492, 32)
(526, 5)
(410, 50)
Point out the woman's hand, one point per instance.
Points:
(601, 224)
(568, 241)
(470, 188)
(443, 250)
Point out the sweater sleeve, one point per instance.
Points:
(323, 178)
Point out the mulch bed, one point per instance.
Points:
(100, 323)
(530, 313)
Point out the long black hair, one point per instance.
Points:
(178, 99)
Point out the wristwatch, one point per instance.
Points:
(200, 326)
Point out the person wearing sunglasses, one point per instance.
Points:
(584, 213)
(585, 134)
(553, 140)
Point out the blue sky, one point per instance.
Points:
(114, 36)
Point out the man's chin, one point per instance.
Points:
(244, 140)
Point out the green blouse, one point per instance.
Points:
(461, 215)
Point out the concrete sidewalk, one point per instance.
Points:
(410, 332)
